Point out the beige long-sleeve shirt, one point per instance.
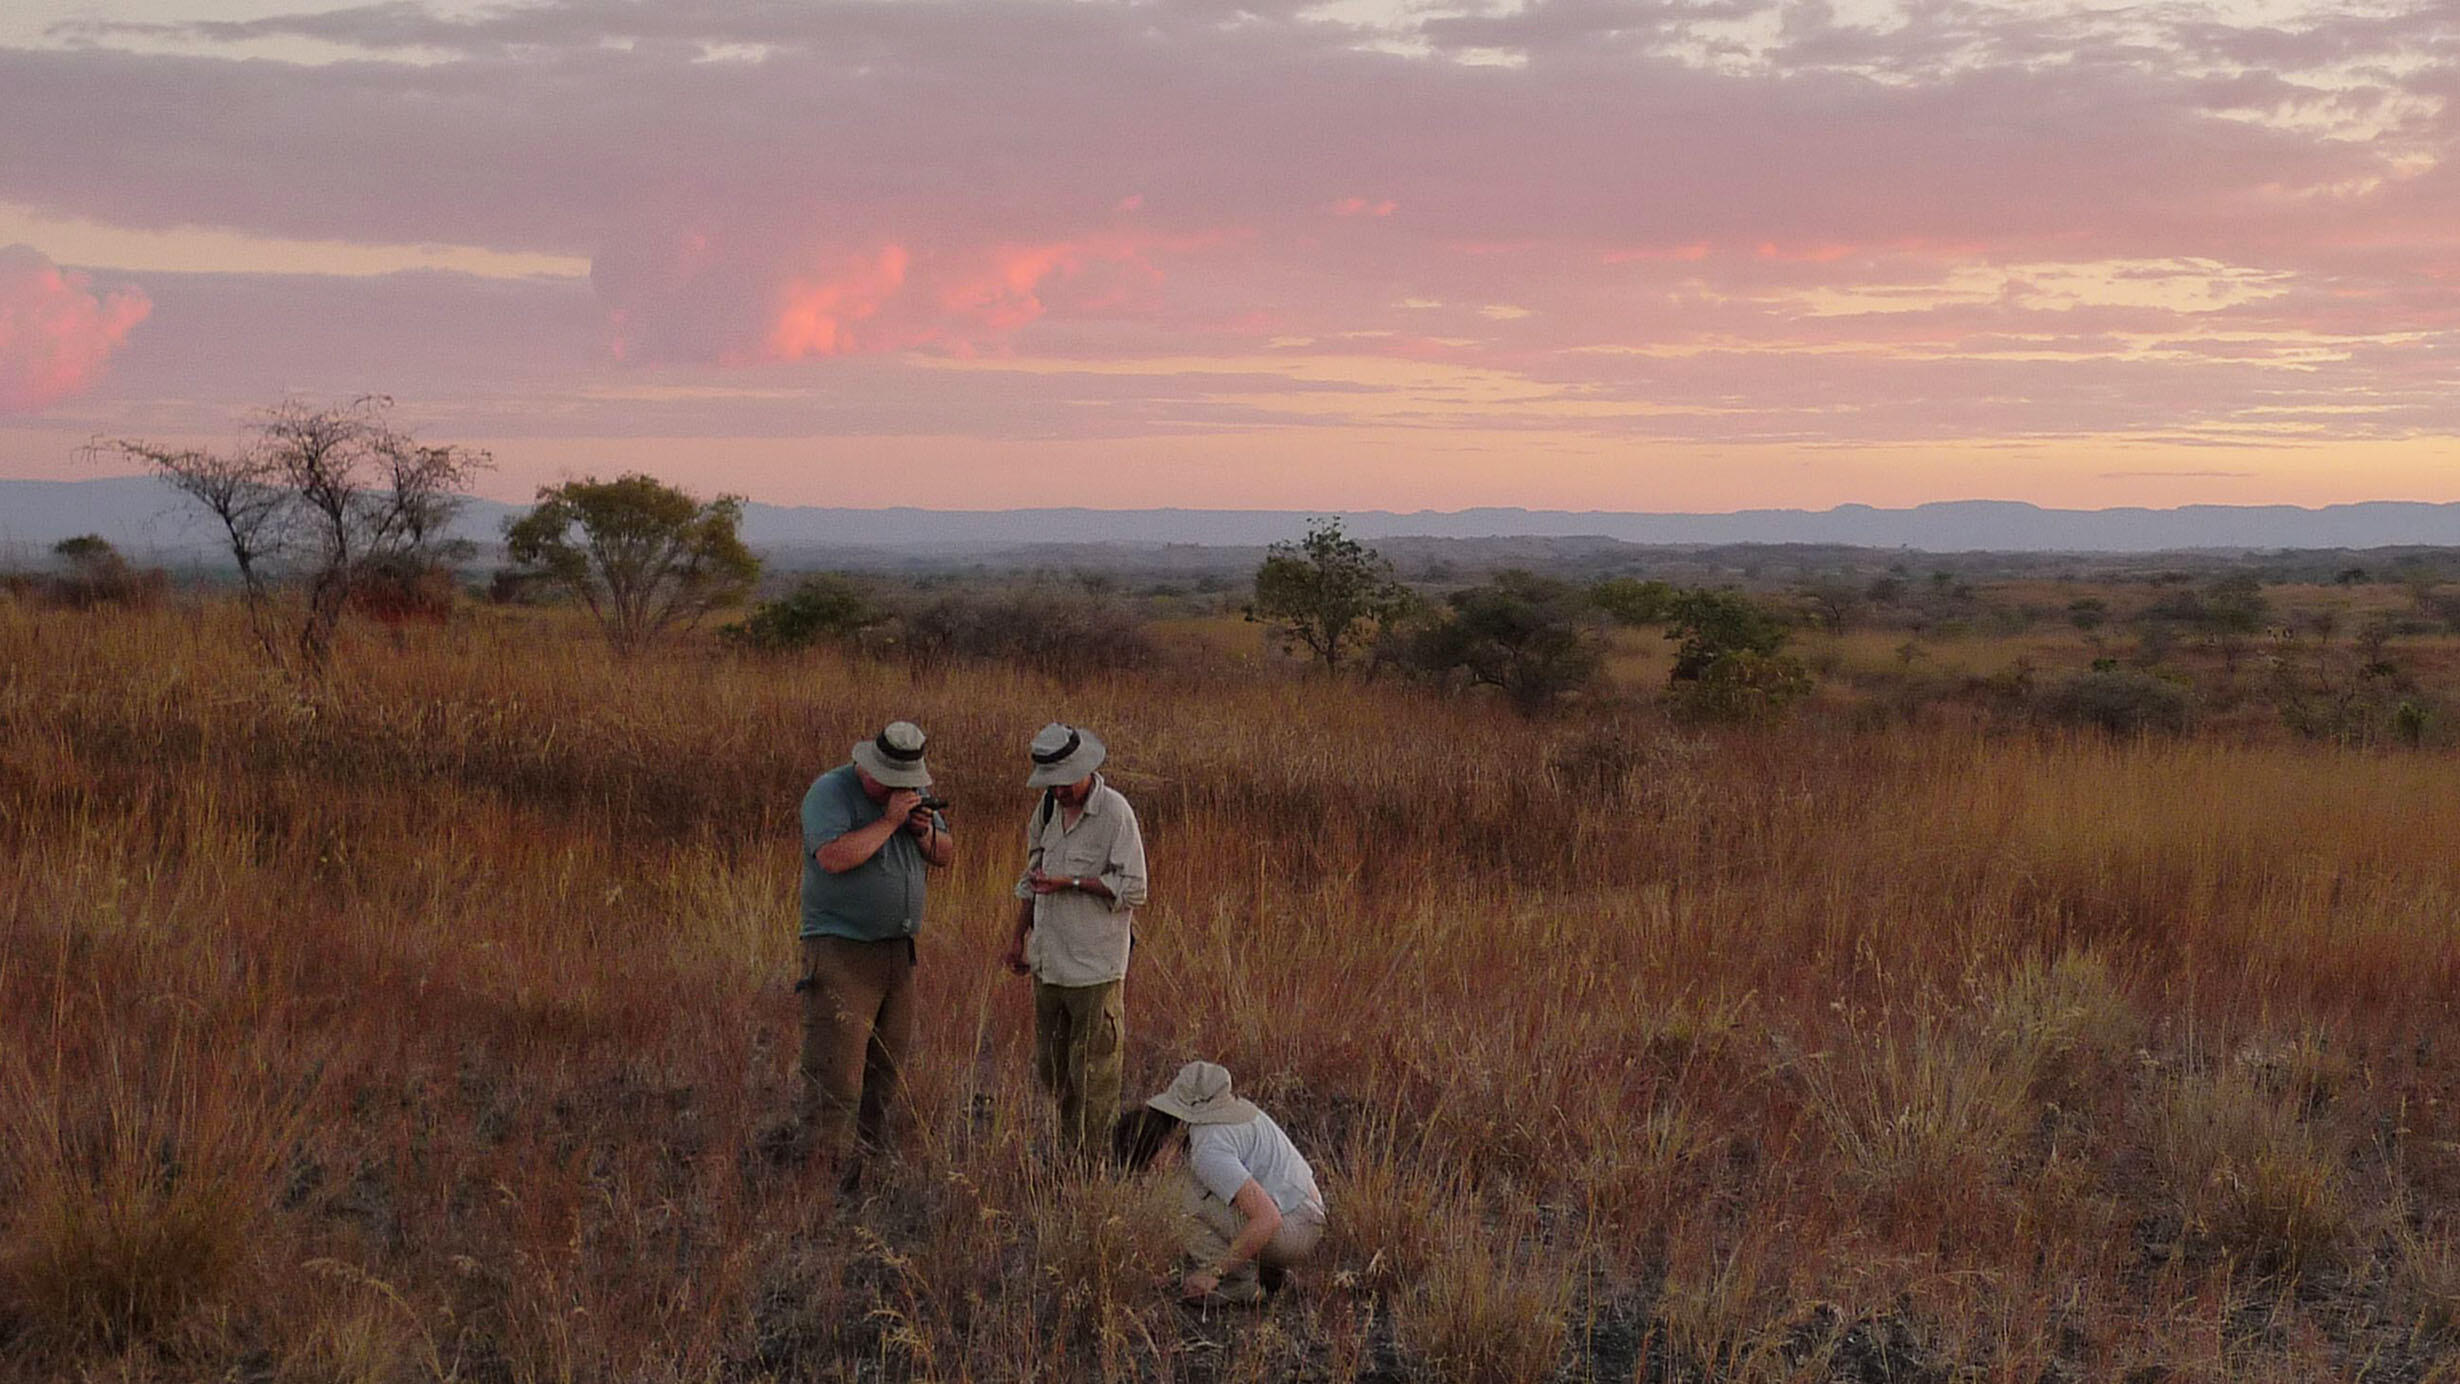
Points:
(1081, 938)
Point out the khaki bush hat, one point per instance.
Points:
(895, 756)
(1063, 755)
(1200, 1095)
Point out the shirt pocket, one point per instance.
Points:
(1078, 856)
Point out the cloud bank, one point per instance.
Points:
(1778, 223)
(56, 330)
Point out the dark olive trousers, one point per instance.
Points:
(1080, 1041)
(858, 1027)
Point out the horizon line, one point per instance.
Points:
(1340, 511)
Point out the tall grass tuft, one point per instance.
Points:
(136, 1190)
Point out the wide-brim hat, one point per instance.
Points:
(895, 756)
(1200, 1095)
(1063, 755)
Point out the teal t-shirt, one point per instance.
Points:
(878, 900)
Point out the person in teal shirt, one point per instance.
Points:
(868, 842)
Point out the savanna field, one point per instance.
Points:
(431, 1022)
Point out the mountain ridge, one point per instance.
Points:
(144, 517)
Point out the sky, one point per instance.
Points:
(1364, 254)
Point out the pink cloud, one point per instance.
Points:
(823, 315)
(751, 293)
(1690, 254)
(56, 331)
(1769, 246)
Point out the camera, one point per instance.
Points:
(933, 802)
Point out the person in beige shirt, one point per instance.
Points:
(1075, 924)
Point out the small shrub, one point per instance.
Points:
(94, 574)
(1919, 1116)
(2427, 1275)
(1711, 625)
(1488, 1312)
(2057, 1022)
(2249, 1176)
(1601, 758)
(2120, 701)
(827, 607)
(1728, 664)
(1720, 1307)
(1746, 686)
(399, 591)
(1055, 630)
(136, 1198)
(1392, 1213)
(1631, 601)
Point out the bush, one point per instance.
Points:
(1049, 629)
(826, 607)
(397, 590)
(2120, 701)
(1742, 687)
(1631, 601)
(2251, 1178)
(1527, 636)
(93, 573)
(1728, 665)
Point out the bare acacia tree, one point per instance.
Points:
(328, 497)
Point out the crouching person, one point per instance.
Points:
(1248, 1204)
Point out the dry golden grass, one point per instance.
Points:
(429, 1025)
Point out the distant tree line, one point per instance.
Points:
(1539, 641)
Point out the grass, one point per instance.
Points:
(431, 1025)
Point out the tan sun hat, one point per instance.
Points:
(1062, 755)
(1200, 1095)
(895, 756)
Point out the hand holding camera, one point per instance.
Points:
(918, 818)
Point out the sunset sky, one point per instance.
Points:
(1585, 254)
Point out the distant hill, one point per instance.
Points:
(146, 519)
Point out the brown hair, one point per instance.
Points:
(1139, 1136)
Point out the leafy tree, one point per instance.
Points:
(2420, 579)
(1833, 602)
(1631, 601)
(1719, 624)
(644, 556)
(2088, 613)
(827, 606)
(2236, 605)
(1529, 637)
(326, 497)
(1729, 663)
(2234, 613)
(1326, 593)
